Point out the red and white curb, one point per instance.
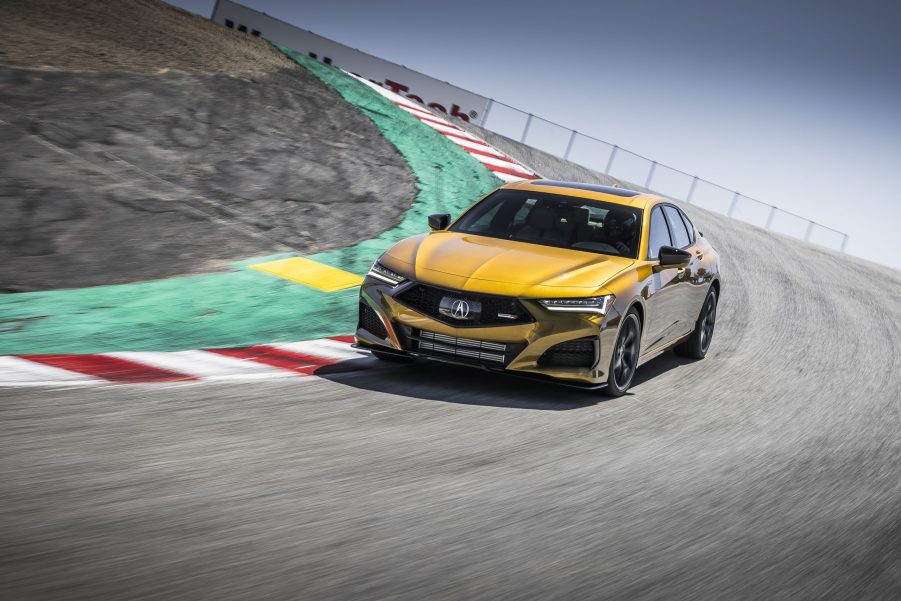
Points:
(265, 361)
(504, 167)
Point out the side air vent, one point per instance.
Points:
(370, 322)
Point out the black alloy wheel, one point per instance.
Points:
(625, 356)
(707, 321)
(696, 345)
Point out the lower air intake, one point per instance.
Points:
(572, 353)
(462, 348)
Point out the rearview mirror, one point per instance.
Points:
(673, 256)
(439, 221)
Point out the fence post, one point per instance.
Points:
(647, 182)
(733, 204)
(844, 242)
(488, 106)
(769, 219)
(691, 189)
(610, 160)
(569, 145)
(809, 231)
(525, 130)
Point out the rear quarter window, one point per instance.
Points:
(681, 238)
(688, 224)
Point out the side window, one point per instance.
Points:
(689, 225)
(681, 239)
(658, 233)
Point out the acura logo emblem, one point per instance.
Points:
(460, 309)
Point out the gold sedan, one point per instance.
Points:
(576, 283)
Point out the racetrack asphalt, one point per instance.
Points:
(769, 470)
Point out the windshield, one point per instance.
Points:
(554, 220)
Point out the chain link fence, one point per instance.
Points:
(625, 165)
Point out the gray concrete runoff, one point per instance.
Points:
(110, 178)
(769, 470)
(142, 142)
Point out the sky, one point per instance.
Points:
(795, 103)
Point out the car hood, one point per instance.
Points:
(493, 265)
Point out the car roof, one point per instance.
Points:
(621, 196)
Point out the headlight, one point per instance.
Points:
(380, 272)
(593, 304)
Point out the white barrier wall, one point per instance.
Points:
(436, 94)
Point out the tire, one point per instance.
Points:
(392, 357)
(697, 345)
(624, 360)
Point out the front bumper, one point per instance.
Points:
(512, 348)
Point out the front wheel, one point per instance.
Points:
(697, 344)
(625, 356)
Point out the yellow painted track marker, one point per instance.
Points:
(310, 273)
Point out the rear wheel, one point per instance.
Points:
(625, 356)
(392, 357)
(697, 344)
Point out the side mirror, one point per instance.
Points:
(673, 256)
(439, 221)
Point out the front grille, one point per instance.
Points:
(463, 350)
(572, 353)
(495, 310)
(370, 322)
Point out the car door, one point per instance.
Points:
(699, 276)
(688, 275)
(664, 311)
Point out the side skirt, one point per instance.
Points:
(660, 350)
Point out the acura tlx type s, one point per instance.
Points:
(571, 282)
